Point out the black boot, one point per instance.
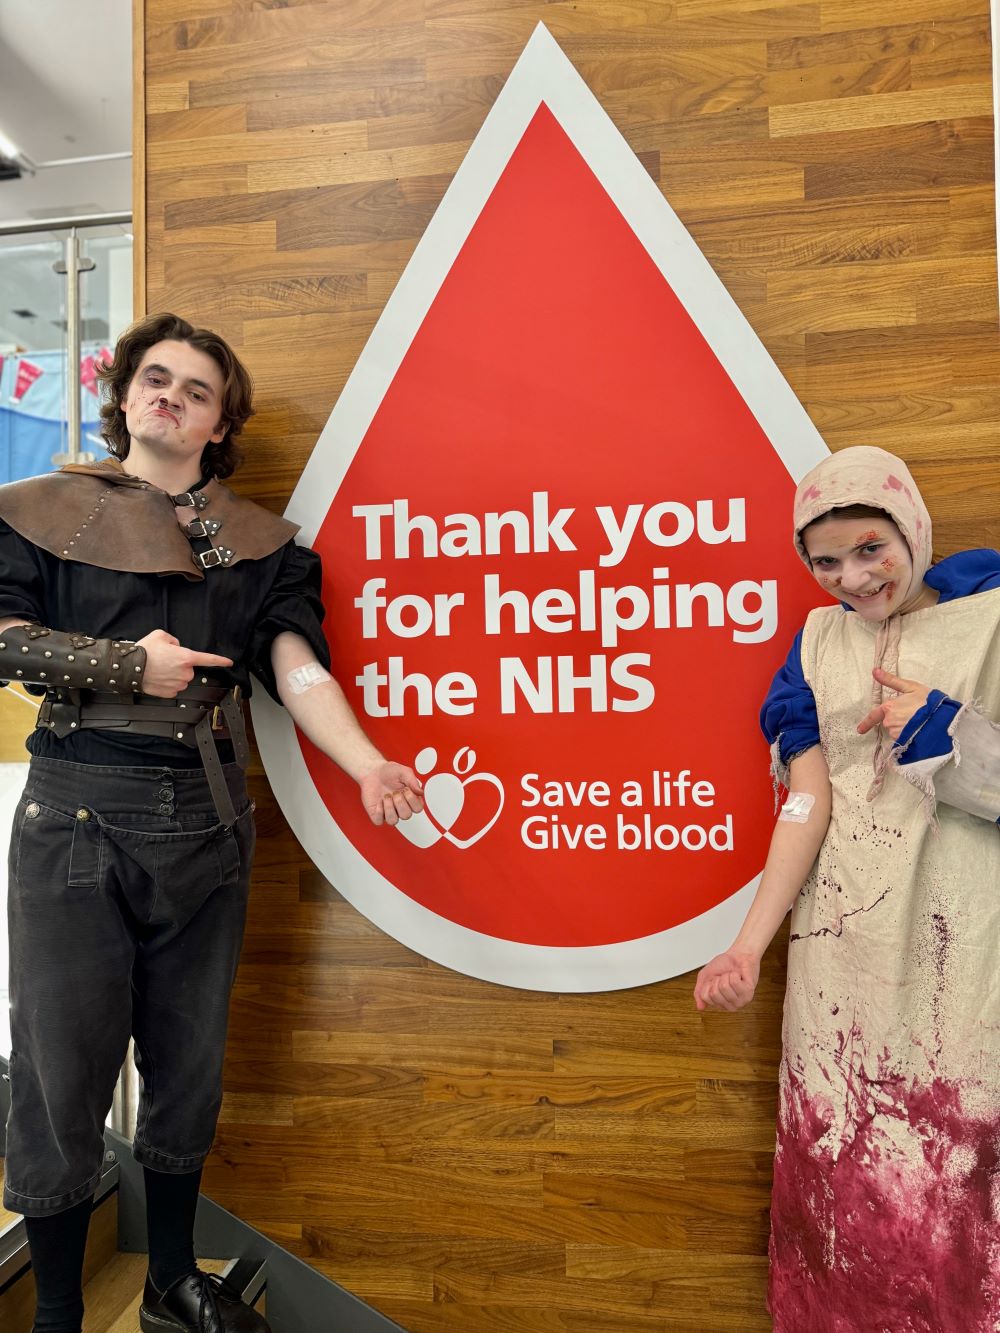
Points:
(199, 1303)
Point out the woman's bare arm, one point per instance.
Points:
(730, 979)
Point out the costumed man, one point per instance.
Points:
(139, 594)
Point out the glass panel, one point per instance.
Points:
(33, 430)
(33, 336)
(33, 347)
(105, 312)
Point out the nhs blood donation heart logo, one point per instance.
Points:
(553, 504)
(445, 802)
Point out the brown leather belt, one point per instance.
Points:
(198, 717)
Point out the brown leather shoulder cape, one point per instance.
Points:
(99, 515)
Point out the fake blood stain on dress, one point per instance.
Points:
(941, 943)
(869, 1237)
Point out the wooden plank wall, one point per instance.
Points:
(18, 711)
(462, 1156)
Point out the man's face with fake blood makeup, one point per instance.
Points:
(864, 563)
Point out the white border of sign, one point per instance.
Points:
(542, 74)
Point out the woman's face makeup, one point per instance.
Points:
(862, 562)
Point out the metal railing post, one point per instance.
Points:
(73, 265)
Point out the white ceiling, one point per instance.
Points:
(65, 91)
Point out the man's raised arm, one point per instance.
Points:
(389, 791)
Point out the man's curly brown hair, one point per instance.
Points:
(222, 459)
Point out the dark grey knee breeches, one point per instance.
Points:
(127, 902)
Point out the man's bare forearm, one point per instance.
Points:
(793, 850)
(322, 712)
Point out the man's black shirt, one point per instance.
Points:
(235, 612)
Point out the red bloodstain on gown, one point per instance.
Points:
(866, 1238)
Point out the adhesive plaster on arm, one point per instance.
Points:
(797, 807)
(307, 677)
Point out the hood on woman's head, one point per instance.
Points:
(865, 475)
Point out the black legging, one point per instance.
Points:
(58, 1244)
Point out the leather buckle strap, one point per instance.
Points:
(199, 717)
(227, 711)
(220, 717)
(201, 694)
(60, 715)
(213, 772)
(231, 710)
(190, 499)
(213, 557)
(203, 527)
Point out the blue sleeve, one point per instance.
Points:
(788, 715)
(965, 573)
(925, 736)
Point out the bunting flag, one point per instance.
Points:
(89, 366)
(88, 374)
(27, 373)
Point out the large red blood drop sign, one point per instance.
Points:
(553, 509)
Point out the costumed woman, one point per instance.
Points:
(886, 1204)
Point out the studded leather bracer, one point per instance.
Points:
(34, 655)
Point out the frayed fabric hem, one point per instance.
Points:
(780, 777)
(967, 781)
